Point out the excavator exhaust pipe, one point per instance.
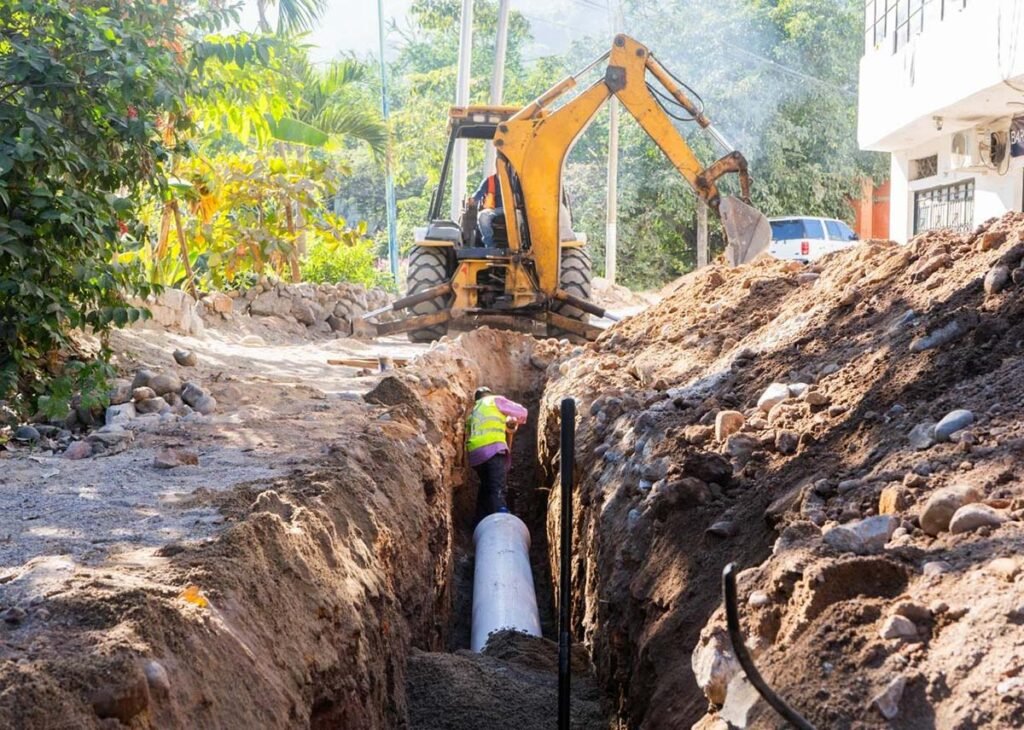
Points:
(746, 229)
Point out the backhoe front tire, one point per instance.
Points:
(576, 272)
(428, 267)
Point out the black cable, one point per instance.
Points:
(660, 99)
(732, 615)
(693, 93)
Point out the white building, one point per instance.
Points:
(942, 89)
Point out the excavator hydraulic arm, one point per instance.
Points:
(533, 144)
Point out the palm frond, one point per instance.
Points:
(296, 16)
(355, 123)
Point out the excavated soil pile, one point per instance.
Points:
(302, 609)
(849, 434)
(512, 684)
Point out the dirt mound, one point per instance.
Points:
(512, 685)
(835, 396)
(616, 297)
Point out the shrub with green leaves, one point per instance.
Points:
(345, 256)
(90, 91)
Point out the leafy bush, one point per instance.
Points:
(350, 256)
(84, 87)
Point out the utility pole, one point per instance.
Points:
(459, 159)
(389, 183)
(611, 226)
(611, 233)
(702, 233)
(498, 80)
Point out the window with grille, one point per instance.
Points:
(949, 206)
(924, 167)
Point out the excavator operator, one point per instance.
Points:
(488, 198)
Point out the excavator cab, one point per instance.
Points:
(537, 273)
(489, 284)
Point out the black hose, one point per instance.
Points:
(732, 613)
(567, 449)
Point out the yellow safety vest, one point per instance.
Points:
(485, 425)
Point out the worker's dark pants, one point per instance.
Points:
(493, 475)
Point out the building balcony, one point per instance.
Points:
(932, 67)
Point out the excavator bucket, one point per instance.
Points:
(746, 229)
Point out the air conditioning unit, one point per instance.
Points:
(964, 151)
(978, 150)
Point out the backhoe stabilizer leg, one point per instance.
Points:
(412, 323)
(582, 304)
(412, 300)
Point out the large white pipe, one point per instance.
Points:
(503, 595)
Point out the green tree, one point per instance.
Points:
(83, 86)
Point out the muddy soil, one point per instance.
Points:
(871, 347)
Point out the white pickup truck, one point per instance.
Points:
(805, 238)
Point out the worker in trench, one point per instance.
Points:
(489, 428)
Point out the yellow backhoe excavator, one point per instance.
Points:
(537, 273)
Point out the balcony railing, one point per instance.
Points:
(890, 24)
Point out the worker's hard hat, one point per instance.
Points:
(481, 392)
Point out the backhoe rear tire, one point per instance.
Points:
(576, 272)
(428, 267)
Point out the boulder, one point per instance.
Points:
(816, 399)
(797, 390)
(143, 393)
(120, 392)
(862, 537)
(206, 405)
(78, 450)
(940, 507)
(970, 517)
(152, 405)
(898, 627)
(165, 383)
(191, 393)
(922, 436)
(786, 441)
(997, 279)
(727, 423)
(773, 395)
(952, 422)
(120, 414)
(893, 500)
(218, 302)
(142, 378)
(887, 702)
(305, 312)
(185, 358)
(26, 434)
(741, 447)
(714, 665)
(270, 304)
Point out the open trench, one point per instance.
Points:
(339, 596)
(513, 683)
